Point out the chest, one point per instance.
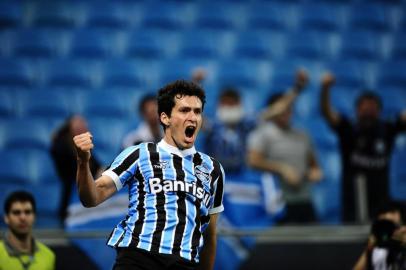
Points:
(175, 173)
(287, 145)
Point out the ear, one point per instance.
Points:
(6, 219)
(165, 119)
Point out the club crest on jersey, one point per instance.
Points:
(161, 165)
(203, 174)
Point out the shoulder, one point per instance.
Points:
(2, 246)
(44, 250)
(214, 163)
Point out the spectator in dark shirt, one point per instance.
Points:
(366, 146)
(64, 157)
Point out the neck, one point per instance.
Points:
(169, 140)
(22, 243)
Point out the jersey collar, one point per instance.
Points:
(12, 251)
(174, 150)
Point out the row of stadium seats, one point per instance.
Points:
(119, 73)
(90, 44)
(226, 16)
(122, 103)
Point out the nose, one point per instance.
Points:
(192, 116)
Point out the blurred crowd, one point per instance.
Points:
(269, 143)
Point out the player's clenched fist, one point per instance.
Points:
(83, 144)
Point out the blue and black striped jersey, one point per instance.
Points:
(172, 194)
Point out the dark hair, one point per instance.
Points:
(144, 100)
(383, 231)
(388, 208)
(274, 98)
(19, 196)
(230, 92)
(167, 94)
(368, 95)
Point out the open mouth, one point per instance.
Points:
(189, 131)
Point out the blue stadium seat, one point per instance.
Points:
(47, 197)
(321, 134)
(182, 68)
(283, 73)
(320, 17)
(216, 17)
(15, 73)
(392, 74)
(398, 170)
(399, 47)
(108, 144)
(47, 104)
(202, 45)
(372, 17)
(361, 46)
(122, 73)
(268, 16)
(106, 104)
(109, 15)
(247, 74)
(393, 99)
(326, 194)
(343, 99)
(7, 104)
(164, 16)
(34, 43)
(26, 133)
(91, 44)
(349, 74)
(145, 45)
(14, 168)
(311, 46)
(54, 15)
(70, 74)
(306, 105)
(41, 167)
(257, 45)
(10, 14)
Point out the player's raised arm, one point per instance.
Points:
(289, 97)
(327, 109)
(91, 193)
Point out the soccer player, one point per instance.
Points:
(175, 192)
(19, 250)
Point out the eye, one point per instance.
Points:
(184, 110)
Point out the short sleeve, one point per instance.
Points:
(123, 167)
(256, 140)
(217, 206)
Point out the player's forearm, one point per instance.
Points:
(264, 164)
(208, 254)
(86, 185)
(282, 105)
(327, 109)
